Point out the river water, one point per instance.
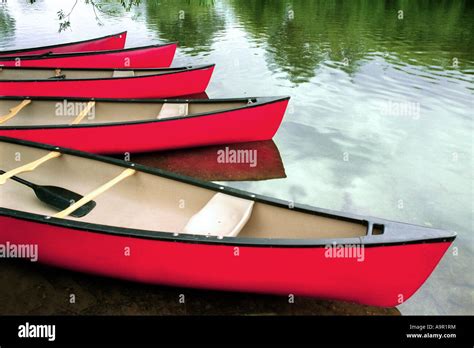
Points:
(380, 121)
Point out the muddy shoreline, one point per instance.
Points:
(33, 289)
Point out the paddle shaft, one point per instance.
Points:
(58, 197)
(21, 181)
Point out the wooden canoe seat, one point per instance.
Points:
(123, 73)
(222, 216)
(173, 110)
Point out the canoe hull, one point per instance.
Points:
(112, 42)
(388, 275)
(241, 125)
(186, 82)
(147, 57)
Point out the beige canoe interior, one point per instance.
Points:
(47, 112)
(149, 202)
(44, 74)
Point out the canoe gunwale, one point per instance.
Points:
(168, 71)
(59, 45)
(99, 69)
(406, 236)
(78, 54)
(195, 239)
(261, 101)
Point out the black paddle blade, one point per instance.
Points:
(61, 199)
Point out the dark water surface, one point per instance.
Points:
(380, 122)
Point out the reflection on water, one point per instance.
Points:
(257, 160)
(380, 119)
(301, 35)
(7, 23)
(194, 24)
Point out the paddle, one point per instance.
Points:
(57, 197)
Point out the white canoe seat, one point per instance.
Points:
(173, 110)
(222, 216)
(123, 73)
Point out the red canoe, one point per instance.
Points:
(156, 227)
(147, 125)
(105, 43)
(155, 56)
(105, 83)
